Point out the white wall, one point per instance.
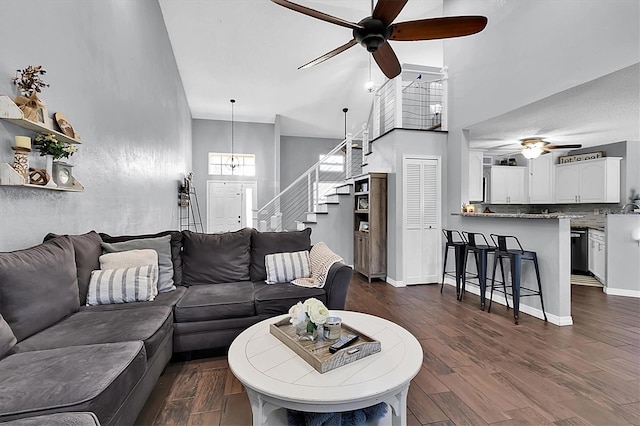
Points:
(528, 51)
(113, 74)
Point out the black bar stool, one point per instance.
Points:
(515, 256)
(460, 246)
(480, 252)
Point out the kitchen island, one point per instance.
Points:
(546, 234)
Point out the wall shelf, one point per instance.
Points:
(9, 177)
(10, 112)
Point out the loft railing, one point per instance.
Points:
(309, 192)
(415, 104)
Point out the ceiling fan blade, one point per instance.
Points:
(573, 146)
(317, 14)
(388, 10)
(387, 60)
(329, 55)
(437, 28)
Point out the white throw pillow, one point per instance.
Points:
(131, 259)
(285, 267)
(123, 285)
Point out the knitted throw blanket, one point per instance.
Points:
(321, 259)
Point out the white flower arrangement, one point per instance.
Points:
(312, 311)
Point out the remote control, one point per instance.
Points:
(343, 342)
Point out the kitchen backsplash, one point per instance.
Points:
(590, 219)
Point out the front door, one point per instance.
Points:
(230, 205)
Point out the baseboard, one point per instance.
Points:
(395, 283)
(500, 299)
(621, 292)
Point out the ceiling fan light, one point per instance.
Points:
(531, 152)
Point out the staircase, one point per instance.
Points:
(318, 191)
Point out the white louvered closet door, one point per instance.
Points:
(421, 195)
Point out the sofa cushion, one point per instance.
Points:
(148, 324)
(216, 301)
(264, 243)
(87, 251)
(176, 248)
(38, 286)
(216, 258)
(277, 299)
(162, 245)
(57, 419)
(123, 285)
(7, 338)
(96, 378)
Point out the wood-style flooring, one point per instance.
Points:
(478, 368)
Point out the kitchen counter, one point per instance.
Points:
(522, 215)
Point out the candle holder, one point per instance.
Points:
(21, 162)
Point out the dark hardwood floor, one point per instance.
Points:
(478, 368)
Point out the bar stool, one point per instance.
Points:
(480, 252)
(515, 256)
(460, 246)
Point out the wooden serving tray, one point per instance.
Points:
(317, 353)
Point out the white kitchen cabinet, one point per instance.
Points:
(591, 181)
(597, 252)
(541, 178)
(507, 185)
(475, 175)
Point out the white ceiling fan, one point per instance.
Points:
(534, 147)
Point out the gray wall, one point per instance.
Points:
(622, 255)
(491, 73)
(297, 154)
(249, 138)
(113, 74)
(387, 156)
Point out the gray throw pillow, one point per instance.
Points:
(7, 338)
(162, 245)
(38, 286)
(216, 258)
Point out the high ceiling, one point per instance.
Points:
(250, 50)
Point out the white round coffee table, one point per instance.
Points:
(276, 377)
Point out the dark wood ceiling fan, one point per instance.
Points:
(374, 31)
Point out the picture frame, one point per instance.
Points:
(363, 227)
(363, 203)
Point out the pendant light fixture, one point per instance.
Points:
(233, 162)
(345, 121)
(369, 86)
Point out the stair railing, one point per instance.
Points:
(305, 194)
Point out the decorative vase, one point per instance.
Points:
(307, 330)
(49, 169)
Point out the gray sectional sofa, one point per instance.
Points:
(59, 357)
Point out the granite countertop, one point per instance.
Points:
(522, 215)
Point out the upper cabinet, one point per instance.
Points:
(591, 181)
(475, 176)
(506, 185)
(540, 180)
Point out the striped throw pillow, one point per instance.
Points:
(285, 267)
(122, 285)
(131, 259)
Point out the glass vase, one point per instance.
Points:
(307, 330)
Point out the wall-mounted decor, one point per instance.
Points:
(580, 157)
(64, 125)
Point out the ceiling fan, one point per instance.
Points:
(534, 147)
(374, 31)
